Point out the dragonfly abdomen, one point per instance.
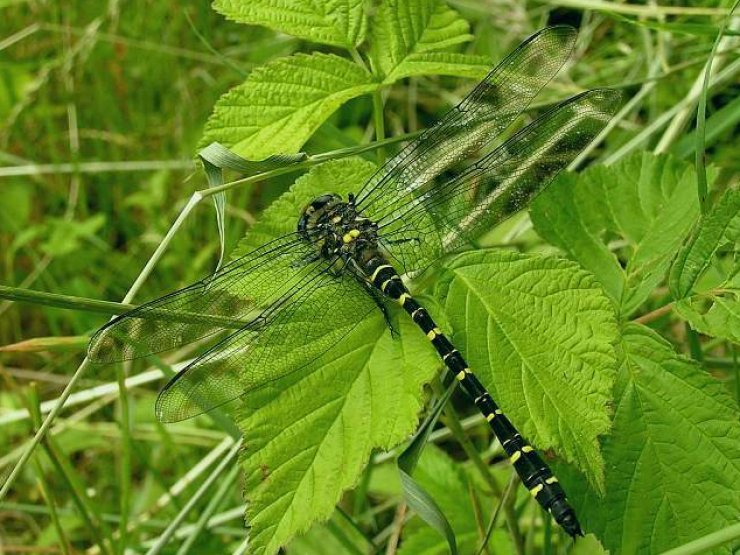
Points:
(531, 468)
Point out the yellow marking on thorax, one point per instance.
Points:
(413, 314)
(378, 269)
(515, 457)
(351, 235)
(535, 490)
(499, 411)
(527, 449)
(460, 375)
(490, 416)
(551, 480)
(403, 298)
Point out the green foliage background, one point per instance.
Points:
(605, 323)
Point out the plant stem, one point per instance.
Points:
(125, 504)
(706, 543)
(379, 123)
(63, 301)
(651, 10)
(98, 167)
(452, 422)
(655, 314)
(309, 162)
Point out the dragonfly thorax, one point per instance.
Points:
(336, 228)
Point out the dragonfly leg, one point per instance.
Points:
(378, 298)
(308, 259)
(416, 240)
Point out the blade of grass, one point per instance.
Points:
(698, 89)
(199, 493)
(725, 75)
(49, 500)
(720, 122)
(97, 528)
(89, 394)
(503, 502)
(701, 115)
(125, 471)
(649, 10)
(223, 490)
(97, 167)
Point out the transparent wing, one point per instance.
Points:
(295, 331)
(452, 213)
(479, 118)
(229, 299)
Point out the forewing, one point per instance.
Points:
(480, 117)
(294, 332)
(454, 212)
(229, 299)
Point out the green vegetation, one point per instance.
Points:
(605, 321)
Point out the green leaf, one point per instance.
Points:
(673, 456)
(308, 437)
(588, 545)
(441, 63)
(624, 222)
(701, 280)
(282, 103)
(405, 28)
(539, 333)
(335, 22)
(715, 314)
(448, 483)
(720, 227)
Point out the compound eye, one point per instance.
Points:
(320, 202)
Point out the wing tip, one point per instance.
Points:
(565, 33)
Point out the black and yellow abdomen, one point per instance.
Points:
(532, 469)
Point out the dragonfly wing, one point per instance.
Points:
(295, 331)
(479, 118)
(453, 213)
(229, 299)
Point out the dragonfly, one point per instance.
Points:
(276, 309)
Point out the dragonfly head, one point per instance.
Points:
(317, 211)
(335, 226)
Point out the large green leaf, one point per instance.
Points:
(441, 63)
(282, 103)
(308, 437)
(672, 458)
(448, 483)
(539, 332)
(705, 283)
(624, 222)
(336, 22)
(406, 33)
